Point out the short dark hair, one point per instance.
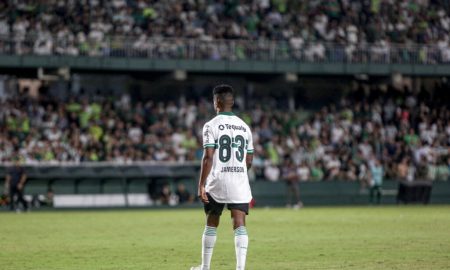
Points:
(223, 89)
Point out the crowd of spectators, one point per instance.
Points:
(99, 130)
(409, 134)
(156, 28)
(406, 134)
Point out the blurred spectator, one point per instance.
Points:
(332, 166)
(303, 172)
(422, 171)
(349, 171)
(402, 169)
(4, 200)
(43, 200)
(271, 172)
(183, 194)
(289, 174)
(165, 195)
(317, 173)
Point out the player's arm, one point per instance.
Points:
(250, 150)
(7, 179)
(23, 180)
(206, 165)
(249, 160)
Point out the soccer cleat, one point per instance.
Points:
(196, 267)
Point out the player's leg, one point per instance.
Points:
(213, 210)
(372, 191)
(212, 220)
(12, 196)
(378, 194)
(240, 236)
(238, 218)
(209, 239)
(296, 190)
(288, 194)
(22, 200)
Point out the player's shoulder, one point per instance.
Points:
(211, 122)
(226, 119)
(242, 123)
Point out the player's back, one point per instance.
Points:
(232, 139)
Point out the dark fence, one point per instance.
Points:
(135, 178)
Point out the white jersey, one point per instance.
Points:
(232, 140)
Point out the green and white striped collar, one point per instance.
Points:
(226, 113)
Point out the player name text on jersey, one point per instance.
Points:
(233, 169)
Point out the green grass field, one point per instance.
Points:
(311, 238)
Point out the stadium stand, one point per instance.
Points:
(351, 31)
(377, 42)
(406, 131)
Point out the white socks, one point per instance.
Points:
(241, 245)
(208, 241)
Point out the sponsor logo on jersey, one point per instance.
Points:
(233, 127)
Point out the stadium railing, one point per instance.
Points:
(232, 50)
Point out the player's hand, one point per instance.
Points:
(20, 186)
(202, 195)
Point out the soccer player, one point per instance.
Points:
(377, 173)
(228, 153)
(15, 180)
